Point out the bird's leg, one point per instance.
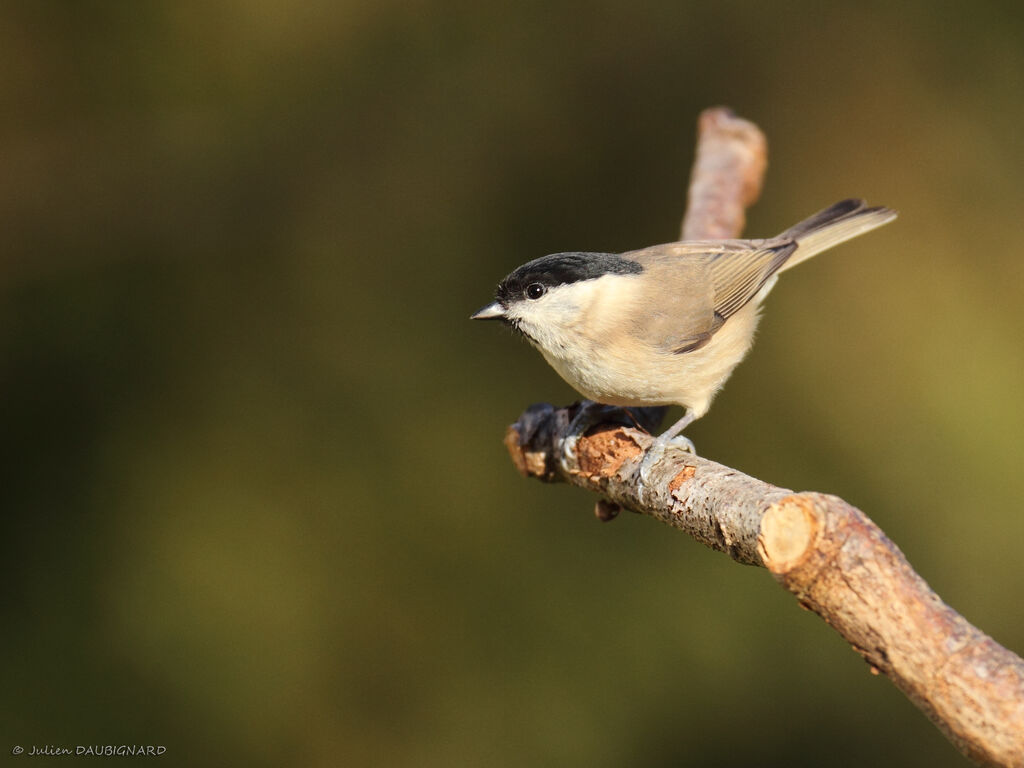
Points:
(671, 435)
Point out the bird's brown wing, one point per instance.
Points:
(692, 288)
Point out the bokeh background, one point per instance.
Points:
(255, 504)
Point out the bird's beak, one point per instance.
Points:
(491, 312)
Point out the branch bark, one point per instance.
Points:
(827, 553)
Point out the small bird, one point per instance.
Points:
(664, 325)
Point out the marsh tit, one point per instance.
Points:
(665, 325)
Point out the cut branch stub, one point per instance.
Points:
(789, 530)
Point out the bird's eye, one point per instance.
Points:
(535, 290)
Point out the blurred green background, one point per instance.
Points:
(254, 498)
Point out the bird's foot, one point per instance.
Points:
(656, 452)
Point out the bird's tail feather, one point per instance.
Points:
(833, 226)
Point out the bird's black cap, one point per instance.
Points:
(561, 269)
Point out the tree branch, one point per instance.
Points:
(826, 552)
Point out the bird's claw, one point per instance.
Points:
(683, 443)
(567, 455)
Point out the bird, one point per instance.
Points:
(666, 324)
